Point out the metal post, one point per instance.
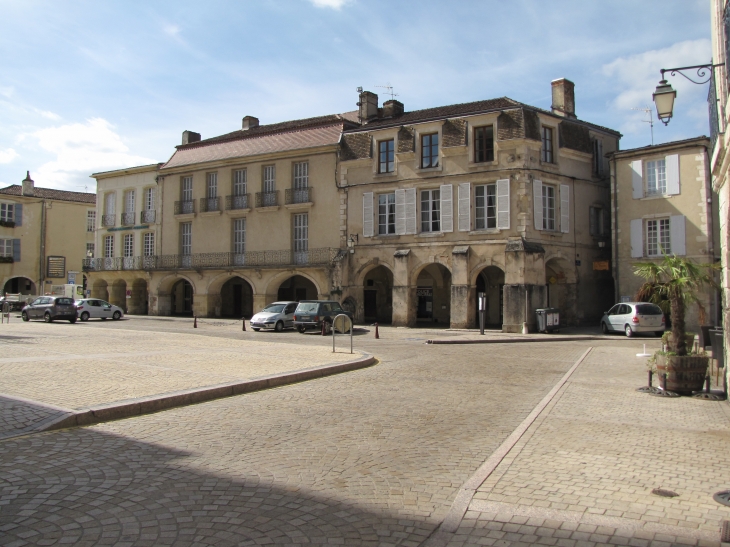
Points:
(481, 301)
(650, 377)
(664, 381)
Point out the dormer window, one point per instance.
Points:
(429, 150)
(386, 156)
(484, 144)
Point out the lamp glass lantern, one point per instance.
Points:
(664, 97)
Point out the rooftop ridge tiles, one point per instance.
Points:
(50, 193)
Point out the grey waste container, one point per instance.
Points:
(548, 319)
(717, 346)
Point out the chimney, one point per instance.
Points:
(393, 109)
(249, 122)
(563, 98)
(190, 137)
(368, 104)
(28, 185)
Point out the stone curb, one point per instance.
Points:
(156, 403)
(546, 338)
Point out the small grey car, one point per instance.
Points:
(634, 317)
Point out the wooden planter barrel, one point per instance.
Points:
(685, 374)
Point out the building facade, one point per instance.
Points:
(663, 203)
(45, 235)
(493, 197)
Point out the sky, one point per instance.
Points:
(91, 85)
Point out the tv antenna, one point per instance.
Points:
(85, 187)
(650, 121)
(389, 90)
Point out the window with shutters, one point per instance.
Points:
(386, 156)
(108, 246)
(485, 206)
(386, 214)
(269, 178)
(484, 143)
(6, 247)
(658, 237)
(186, 238)
(128, 245)
(149, 244)
(186, 189)
(430, 211)
(656, 177)
(547, 145)
(599, 221)
(240, 179)
(7, 212)
(90, 221)
(300, 226)
(89, 250)
(301, 175)
(548, 207)
(239, 236)
(429, 150)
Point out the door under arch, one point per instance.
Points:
(297, 288)
(236, 298)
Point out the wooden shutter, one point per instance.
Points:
(677, 235)
(503, 204)
(18, 214)
(672, 171)
(464, 206)
(400, 212)
(411, 226)
(367, 214)
(537, 203)
(447, 208)
(637, 238)
(564, 208)
(637, 179)
(16, 250)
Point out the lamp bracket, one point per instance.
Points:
(704, 72)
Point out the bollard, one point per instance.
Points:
(664, 381)
(195, 321)
(323, 328)
(707, 384)
(244, 324)
(377, 334)
(650, 377)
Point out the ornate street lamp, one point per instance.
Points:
(664, 95)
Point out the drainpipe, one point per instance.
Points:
(615, 231)
(714, 307)
(42, 259)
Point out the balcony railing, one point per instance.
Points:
(108, 220)
(267, 199)
(248, 259)
(184, 207)
(298, 195)
(147, 217)
(127, 219)
(237, 202)
(208, 205)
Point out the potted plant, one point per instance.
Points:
(674, 282)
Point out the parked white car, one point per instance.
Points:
(93, 308)
(633, 317)
(277, 316)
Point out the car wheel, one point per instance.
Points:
(103, 318)
(301, 330)
(279, 326)
(25, 316)
(629, 332)
(85, 316)
(47, 318)
(604, 328)
(255, 329)
(72, 320)
(117, 315)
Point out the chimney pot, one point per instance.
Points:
(368, 106)
(563, 98)
(249, 122)
(392, 109)
(190, 137)
(28, 185)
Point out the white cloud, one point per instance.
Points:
(638, 75)
(6, 156)
(333, 4)
(171, 30)
(81, 149)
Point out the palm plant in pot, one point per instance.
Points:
(675, 281)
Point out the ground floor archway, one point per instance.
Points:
(433, 295)
(181, 297)
(560, 291)
(236, 298)
(297, 288)
(138, 302)
(100, 289)
(490, 282)
(378, 295)
(118, 294)
(20, 285)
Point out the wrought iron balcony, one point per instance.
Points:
(299, 195)
(267, 199)
(127, 219)
(249, 259)
(108, 220)
(208, 205)
(237, 202)
(184, 207)
(147, 217)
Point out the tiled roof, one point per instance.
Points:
(251, 146)
(50, 193)
(697, 141)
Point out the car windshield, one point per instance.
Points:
(308, 307)
(64, 301)
(648, 309)
(274, 308)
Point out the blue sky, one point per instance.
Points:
(91, 85)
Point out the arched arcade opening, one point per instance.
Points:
(490, 282)
(378, 295)
(236, 298)
(181, 297)
(297, 288)
(19, 285)
(433, 295)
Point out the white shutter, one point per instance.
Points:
(111, 200)
(464, 206)
(537, 203)
(637, 238)
(676, 235)
(447, 208)
(367, 214)
(411, 227)
(672, 171)
(564, 208)
(400, 212)
(503, 204)
(637, 179)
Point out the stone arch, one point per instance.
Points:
(366, 268)
(274, 284)
(100, 289)
(377, 286)
(118, 294)
(172, 297)
(432, 288)
(416, 272)
(234, 299)
(165, 284)
(140, 297)
(217, 282)
(20, 285)
(476, 270)
(490, 282)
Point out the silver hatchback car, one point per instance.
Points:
(633, 317)
(277, 316)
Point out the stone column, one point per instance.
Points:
(200, 305)
(403, 296)
(460, 287)
(524, 289)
